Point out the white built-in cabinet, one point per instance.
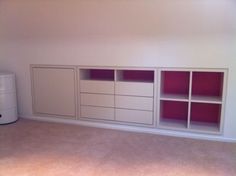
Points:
(192, 99)
(117, 95)
(185, 99)
(53, 90)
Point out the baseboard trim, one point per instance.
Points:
(131, 128)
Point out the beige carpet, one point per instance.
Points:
(31, 148)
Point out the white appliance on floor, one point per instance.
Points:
(8, 105)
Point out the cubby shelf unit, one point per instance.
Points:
(191, 99)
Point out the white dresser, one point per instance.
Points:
(8, 105)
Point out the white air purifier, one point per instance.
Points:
(8, 105)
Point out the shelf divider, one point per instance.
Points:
(189, 99)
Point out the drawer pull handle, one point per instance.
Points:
(0, 115)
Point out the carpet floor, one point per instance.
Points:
(32, 148)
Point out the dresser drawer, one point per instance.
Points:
(139, 103)
(134, 116)
(97, 100)
(136, 89)
(97, 112)
(91, 86)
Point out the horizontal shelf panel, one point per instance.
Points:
(136, 80)
(201, 126)
(206, 99)
(173, 123)
(174, 97)
(98, 79)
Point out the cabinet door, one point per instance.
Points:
(54, 91)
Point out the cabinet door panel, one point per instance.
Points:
(54, 91)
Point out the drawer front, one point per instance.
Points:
(134, 116)
(97, 100)
(140, 103)
(97, 113)
(106, 87)
(136, 89)
(7, 100)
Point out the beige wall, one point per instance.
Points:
(170, 33)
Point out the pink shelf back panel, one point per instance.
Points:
(175, 82)
(174, 110)
(204, 112)
(207, 83)
(100, 74)
(138, 75)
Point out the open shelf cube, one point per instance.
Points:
(205, 116)
(208, 85)
(174, 114)
(135, 75)
(97, 74)
(175, 85)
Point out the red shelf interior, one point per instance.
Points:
(175, 82)
(100, 74)
(205, 112)
(174, 110)
(207, 83)
(138, 75)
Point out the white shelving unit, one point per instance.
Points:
(192, 99)
(188, 99)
